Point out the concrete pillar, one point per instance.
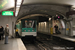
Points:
(72, 22)
(71, 17)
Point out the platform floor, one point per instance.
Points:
(65, 37)
(13, 44)
(69, 38)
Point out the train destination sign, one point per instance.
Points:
(7, 13)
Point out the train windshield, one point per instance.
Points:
(28, 24)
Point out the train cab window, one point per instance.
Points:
(28, 24)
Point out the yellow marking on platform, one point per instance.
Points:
(51, 30)
(67, 28)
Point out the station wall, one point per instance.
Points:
(8, 20)
(44, 27)
(72, 25)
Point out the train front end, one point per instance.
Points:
(29, 27)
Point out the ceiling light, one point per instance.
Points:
(73, 6)
(45, 23)
(19, 1)
(17, 6)
(16, 14)
(17, 9)
(49, 19)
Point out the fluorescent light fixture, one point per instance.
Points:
(17, 9)
(19, 1)
(49, 19)
(16, 14)
(56, 15)
(73, 6)
(45, 23)
(17, 6)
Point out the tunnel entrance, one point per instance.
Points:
(43, 23)
(33, 20)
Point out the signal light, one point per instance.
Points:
(58, 17)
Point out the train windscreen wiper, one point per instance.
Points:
(32, 24)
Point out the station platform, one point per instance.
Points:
(13, 44)
(66, 40)
(65, 37)
(61, 36)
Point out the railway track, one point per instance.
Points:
(44, 44)
(50, 45)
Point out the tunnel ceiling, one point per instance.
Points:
(4, 3)
(46, 9)
(34, 16)
(38, 17)
(61, 2)
(50, 10)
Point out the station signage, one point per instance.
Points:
(7, 13)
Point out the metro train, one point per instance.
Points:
(27, 27)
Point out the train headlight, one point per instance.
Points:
(32, 30)
(24, 30)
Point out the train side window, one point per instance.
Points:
(23, 24)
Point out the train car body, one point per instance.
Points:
(28, 27)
